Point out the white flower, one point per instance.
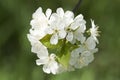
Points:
(61, 26)
(83, 55)
(90, 43)
(80, 58)
(79, 25)
(79, 22)
(58, 21)
(56, 31)
(48, 62)
(94, 31)
(50, 65)
(40, 22)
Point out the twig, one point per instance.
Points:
(47, 76)
(77, 6)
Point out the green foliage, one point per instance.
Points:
(62, 49)
(56, 49)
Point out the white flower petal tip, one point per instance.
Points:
(69, 14)
(60, 41)
(94, 31)
(60, 12)
(37, 12)
(48, 13)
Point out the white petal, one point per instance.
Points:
(32, 39)
(86, 53)
(37, 12)
(73, 41)
(94, 31)
(53, 17)
(74, 26)
(70, 36)
(54, 39)
(93, 24)
(73, 61)
(80, 16)
(41, 61)
(43, 53)
(94, 50)
(81, 28)
(90, 43)
(60, 12)
(60, 24)
(75, 53)
(38, 33)
(95, 38)
(68, 22)
(46, 69)
(78, 65)
(54, 67)
(62, 34)
(80, 37)
(88, 59)
(33, 23)
(49, 30)
(36, 48)
(39, 48)
(69, 14)
(79, 22)
(48, 12)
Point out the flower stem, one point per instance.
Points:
(77, 6)
(47, 76)
(63, 47)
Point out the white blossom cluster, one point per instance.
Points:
(59, 40)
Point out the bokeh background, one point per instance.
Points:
(18, 63)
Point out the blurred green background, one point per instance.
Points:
(18, 63)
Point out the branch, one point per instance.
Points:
(77, 6)
(47, 76)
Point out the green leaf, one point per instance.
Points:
(64, 60)
(66, 50)
(62, 49)
(52, 48)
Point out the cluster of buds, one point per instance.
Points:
(61, 40)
